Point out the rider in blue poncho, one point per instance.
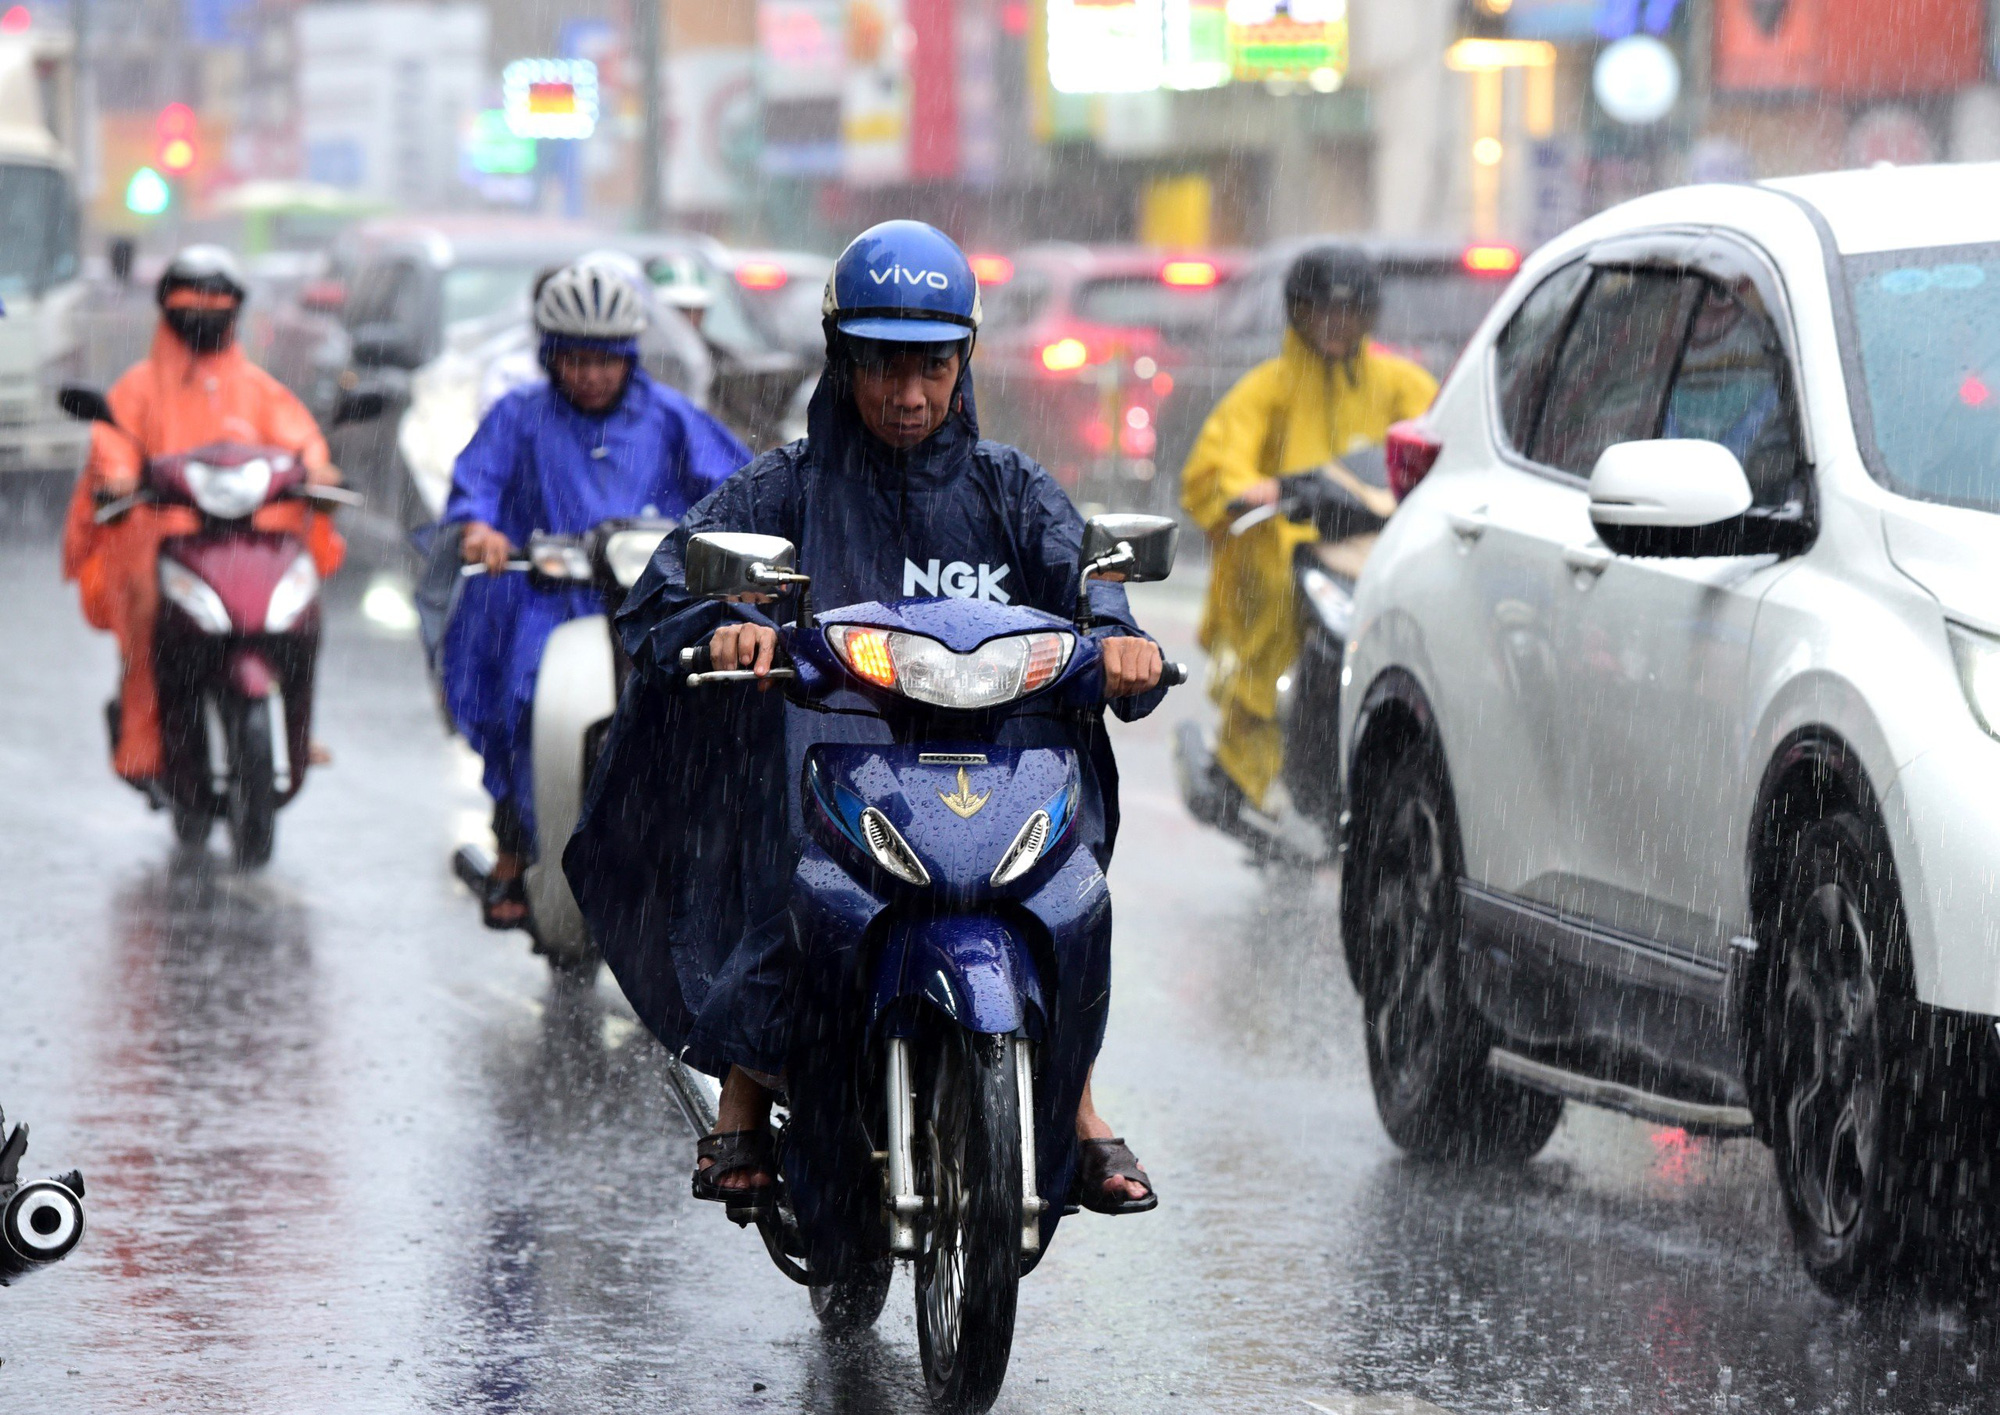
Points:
(600, 439)
(682, 861)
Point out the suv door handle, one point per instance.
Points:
(1588, 560)
(1468, 526)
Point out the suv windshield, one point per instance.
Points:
(476, 291)
(1928, 335)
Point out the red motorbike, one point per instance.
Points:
(237, 635)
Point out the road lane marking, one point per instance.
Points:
(1345, 1404)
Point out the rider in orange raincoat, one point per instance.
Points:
(196, 387)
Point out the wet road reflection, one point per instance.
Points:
(348, 1150)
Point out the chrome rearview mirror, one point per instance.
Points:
(725, 564)
(1137, 548)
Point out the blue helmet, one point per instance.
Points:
(905, 283)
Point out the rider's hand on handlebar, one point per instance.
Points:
(751, 646)
(1131, 666)
(1263, 493)
(485, 546)
(324, 474)
(112, 484)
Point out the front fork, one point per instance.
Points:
(906, 1206)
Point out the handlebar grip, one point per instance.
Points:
(1172, 675)
(697, 659)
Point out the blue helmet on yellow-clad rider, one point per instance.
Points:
(902, 282)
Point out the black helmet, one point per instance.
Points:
(203, 267)
(1333, 275)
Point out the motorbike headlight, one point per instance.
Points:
(998, 671)
(628, 553)
(1978, 658)
(294, 593)
(229, 493)
(195, 596)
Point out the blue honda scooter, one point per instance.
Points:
(945, 909)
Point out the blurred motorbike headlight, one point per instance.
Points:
(998, 671)
(1978, 658)
(627, 553)
(229, 493)
(294, 593)
(196, 597)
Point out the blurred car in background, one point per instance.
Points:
(427, 307)
(1079, 348)
(1434, 293)
(783, 290)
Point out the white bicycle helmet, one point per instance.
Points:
(590, 301)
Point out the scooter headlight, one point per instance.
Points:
(229, 493)
(294, 593)
(196, 597)
(628, 553)
(556, 558)
(998, 671)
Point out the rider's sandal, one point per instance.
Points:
(1111, 1159)
(730, 1151)
(498, 892)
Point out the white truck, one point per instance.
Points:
(41, 288)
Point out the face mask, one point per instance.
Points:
(203, 331)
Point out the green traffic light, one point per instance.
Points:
(147, 194)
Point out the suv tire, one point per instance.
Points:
(1881, 1111)
(1427, 1046)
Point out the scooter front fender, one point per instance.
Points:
(575, 689)
(974, 968)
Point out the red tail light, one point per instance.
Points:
(1410, 453)
(761, 275)
(991, 269)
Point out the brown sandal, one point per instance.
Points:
(730, 1151)
(1111, 1159)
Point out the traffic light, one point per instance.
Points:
(174, 140)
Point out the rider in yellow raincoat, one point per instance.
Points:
(1330, 392)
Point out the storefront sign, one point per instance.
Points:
(1096, 47)
(1292, 39)
(550, 98)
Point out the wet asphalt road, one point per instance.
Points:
(347, 1150)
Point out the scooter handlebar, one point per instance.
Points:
(1172, 674)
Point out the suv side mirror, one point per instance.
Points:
(1669, 497)
(1140, 548)
(724, 564)
(385, 345)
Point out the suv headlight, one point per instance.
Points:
(1978, 658)
(195, 596)
(998, 671)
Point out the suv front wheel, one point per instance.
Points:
(1427, 1047)
(1881, 1112)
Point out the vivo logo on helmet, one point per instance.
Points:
(899, 275)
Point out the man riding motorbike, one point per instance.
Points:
(683, 859)
(196, 387)
(1329, 393)
(600, 439)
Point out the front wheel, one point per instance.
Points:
(853, 1302)
(968, 1267)
(253, 789)
(1427, 1047)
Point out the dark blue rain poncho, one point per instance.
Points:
(537, 464)
(682, 861)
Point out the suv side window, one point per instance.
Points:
(1610, 381)
(1527, 347)
(1732, 388)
